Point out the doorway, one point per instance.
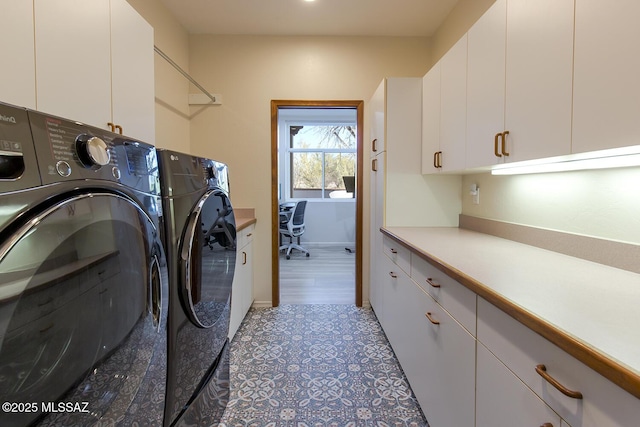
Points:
(277, 107)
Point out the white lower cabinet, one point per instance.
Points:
(503, 400)
(522, 350)
(436, 353)
(441, 361)
(242, 291)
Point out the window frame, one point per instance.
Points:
(287, 150)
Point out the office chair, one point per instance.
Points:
(294, 227)
(350, 187)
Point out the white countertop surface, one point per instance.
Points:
(596, 305)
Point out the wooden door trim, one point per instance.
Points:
(275, 265)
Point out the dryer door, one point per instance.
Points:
(208, 260)
(82, 325)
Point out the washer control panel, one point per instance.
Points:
(69, 150)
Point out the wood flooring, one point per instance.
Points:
(327, 276)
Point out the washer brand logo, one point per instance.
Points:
(9, 119)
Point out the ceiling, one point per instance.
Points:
(320, 17)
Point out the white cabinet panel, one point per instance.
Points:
(486, 85)
(431, 119)
(505, 401)
(539, 64)
(242, 292)
(441, 361)
(453, 106)
(377, 118)
(132, 71)
(606, 70)
(73, 66)
(521, 349)
(18, 82)
(376, 221)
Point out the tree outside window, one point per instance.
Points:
(319, 157)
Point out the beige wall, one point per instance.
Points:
(172, 107)
(251, 71)
(461, 18)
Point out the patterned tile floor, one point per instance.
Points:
(316, 366)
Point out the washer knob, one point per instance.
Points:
(92, 151)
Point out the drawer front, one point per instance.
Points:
(504, 401)
(399, 254)
(453, 296)
(521, 349)
(245, 236)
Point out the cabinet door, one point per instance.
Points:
(376, 221)
(390, 276)
(440, 363)
(431, 119)
(503, 400)
(242, 292)
(376, 105)
(18, 83)
(453, 106)
(521, 349)
(132, 72)
(606, 84)
(485, 85)
(73, 66)
(539, 63)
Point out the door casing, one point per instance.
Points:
(276, 105)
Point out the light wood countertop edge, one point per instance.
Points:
(242, 223)
(600, 363)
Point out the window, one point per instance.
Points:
(318, 157)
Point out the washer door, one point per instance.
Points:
(82, 325)
(208, 259)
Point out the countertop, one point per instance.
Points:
(244, 217)
(590, 310)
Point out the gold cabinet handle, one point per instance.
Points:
(393, 251)
(439, 159)
(431, 319)
(112, 127)
(374, 147)
(250, 234)
(495, 144)
(542, 371)
(435, 159)
(244, 257)
(432, 283)
(504, 143)
(547, 425)
(392, 274)
(374, 165)
(119, 129)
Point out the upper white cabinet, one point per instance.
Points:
(431, 120)
(18, 82)
(453, 114)
(539, 67)
(485, 87)
(515, 102)
(73, 65)
(606, 84)
(519, 82)
(94, 64)
(132, 72)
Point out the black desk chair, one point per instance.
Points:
(350, 187)
(292, 228)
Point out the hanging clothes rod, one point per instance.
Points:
(184, 73)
